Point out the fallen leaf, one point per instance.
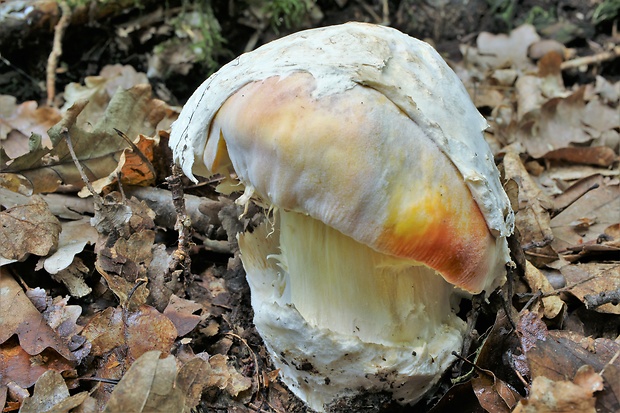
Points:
(596, 155)
(548, 396)
(51, 395)
(28, 229)
(19, 316)
(139, 332)
(494, 395)
(148, 386)
(591, 279)
(24, 369)
(502, 50)
(181, 313)
(532, 217)
(74, 236)
(600, 205)
(552, 305)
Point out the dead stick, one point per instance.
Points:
(52, 61)
(589, 60)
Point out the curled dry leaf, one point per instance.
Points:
(551, 305)
(549, 396)
(532, 218)
(494, 395)
(556, 355)
(52, 395)
(131, 111)
(19, 316)
(73, 238)
(28, 229)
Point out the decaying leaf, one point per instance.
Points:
(28, 229)
(131, 111)
(51, 395)
(148, 386)
(593, 279)
(557, 355)
(581, 224)
(181, 313)
(73, 238)
(549, 396)
(532, 218)
(23, 369)
(19, 316)
(138, 332)
(494, 395)
(551, 305)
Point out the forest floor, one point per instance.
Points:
(111, 299)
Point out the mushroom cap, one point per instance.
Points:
(367, 130)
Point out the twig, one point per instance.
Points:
(370, 11)
(183, 226)
(254, 358)
(98, 200)
(52, 61)
(590, 60)
(604, 297)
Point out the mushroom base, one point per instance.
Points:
(321, 365)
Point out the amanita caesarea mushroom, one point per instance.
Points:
(386, 204)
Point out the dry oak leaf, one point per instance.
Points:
(548, 396)
(73, 238)
(494, 395)
(181, 312)
(557, 355)
(28, 229)
(23, 369)
(587, 218)
(51, 395)
(139, 332)
(19, 316)
(131, 111)
(551, 305)
(590, 279)
(148, 386)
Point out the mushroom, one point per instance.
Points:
(385, 207)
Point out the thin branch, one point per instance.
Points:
(52, 61)
(590, 60)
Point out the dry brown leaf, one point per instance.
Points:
(19, 316)
(28, 229)
(73, 238)
(557, 125)
(494, 395)
(552, 305)
(548, 396)
(131, 111)
(591, 279)
(139, 332)
(133, 169)
(148, 386)
(51, 395)
(18, 122)
(24, 369)
(532, 217)
(596, 155)
(73, 278)
(181, 312)
(586, 219)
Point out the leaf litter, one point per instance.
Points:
(99, 312)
